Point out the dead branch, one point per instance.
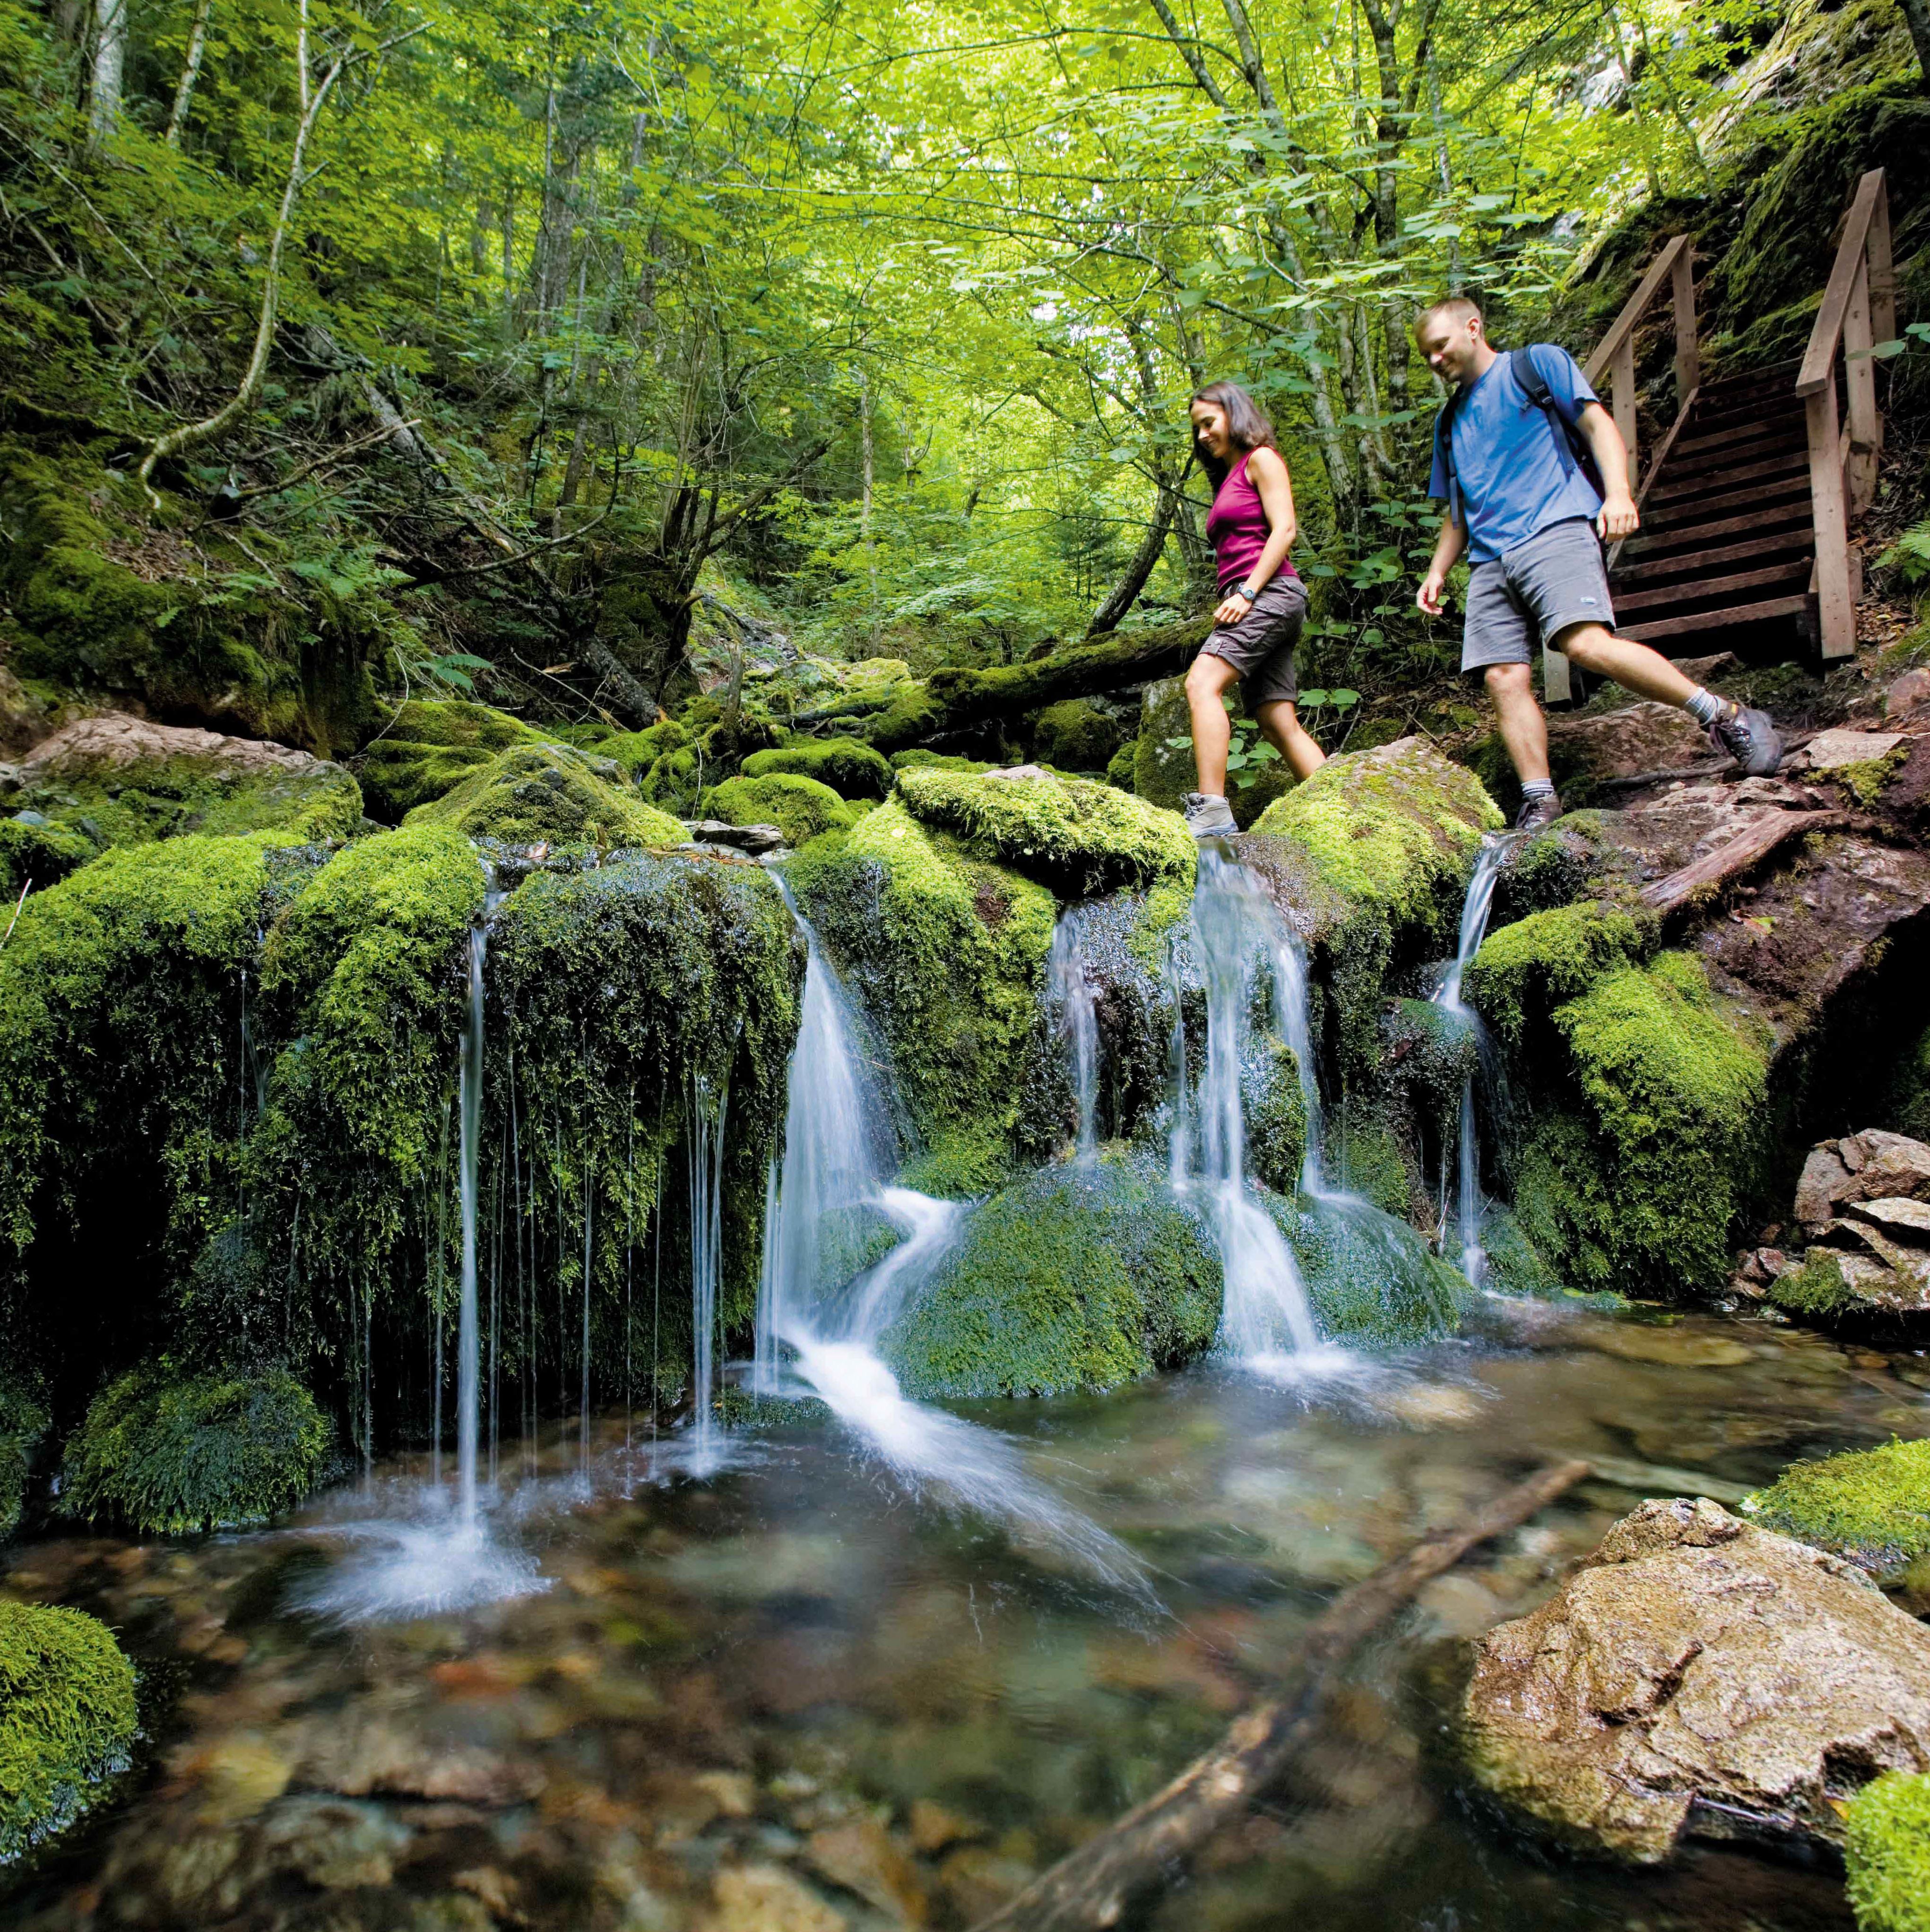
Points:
(1739, 855)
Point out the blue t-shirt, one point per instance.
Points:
(1514, 479)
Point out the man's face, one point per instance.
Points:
(1451, 346)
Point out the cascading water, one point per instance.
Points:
(469, 1380)
(1474, 910)
(706, 1248)
(839, 1144)
(1071, 990)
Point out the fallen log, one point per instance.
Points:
(1091, 1889)
(1735, 856)
(952, 698)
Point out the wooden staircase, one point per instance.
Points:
(1748, 505)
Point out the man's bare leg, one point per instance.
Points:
(1280, 721)
(1523, 729)
(1635, 667)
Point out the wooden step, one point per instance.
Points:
(1759, 500)
(1792, 521)
(1778, 374)
(1760, 409)
(1792, 574)
(1799, 541)
(1736, 616)
(1766, 469)
(1701, 453)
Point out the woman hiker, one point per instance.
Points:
(1262, 601)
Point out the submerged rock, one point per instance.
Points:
(67, 1722)
(1700, 1677)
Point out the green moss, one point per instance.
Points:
(1886, 1853)
(549, 794)
(1905, 1108)
(902, 761)
(1513, 1264)
(1275, 1106)
(1076, 735)
(23, 1422)
(33, 848)
(1636, 1189)
(166, 1456)
(800, 808)
(1865, 779)
(1119, 767)
(946, 952)
(1872, 1506)
(67, 1722)
(1076, 836)
(1367, 1160)
(1370, 1278)
(1525, 971)
(429, 747)
(673, 780)
(1083, 1276)
(636, 751)
(1816, 1290)
(850, 768)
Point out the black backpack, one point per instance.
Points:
(1573, 445)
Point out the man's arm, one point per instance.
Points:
(1618, 518)
(1448, 548)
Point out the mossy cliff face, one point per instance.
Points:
(800, 808)
(67, 1722)
(550, 795)
(1085, 1276)
(428, 747)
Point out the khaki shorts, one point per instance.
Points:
(1529, 594)
(1260, 645)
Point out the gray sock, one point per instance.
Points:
(1704, 706)
(1535, 788)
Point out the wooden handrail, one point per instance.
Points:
(1852, 260)
(1632, 310)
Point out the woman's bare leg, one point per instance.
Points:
(1206, 683)
(1280, 721)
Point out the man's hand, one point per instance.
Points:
(1618, 518)
(1232, 608)
(1427, 598)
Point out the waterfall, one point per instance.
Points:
(1071, 992)
(1475, 911)
(706, 1251)
(468, 1338)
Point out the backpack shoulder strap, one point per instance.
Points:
(1569, 441)
(1534, 384)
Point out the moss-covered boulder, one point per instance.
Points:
(35, 850)
(23, 1422)
(1370, 1278)
(850, 768)
(1525, 971)
(549, 794)
(946, 953)
(67, 1722)
(1163, 770)
(1632, 1179)
(800, 808)
(166, 1455)
(637, 752)
(1076, 735)
(1078, 837)
(428, 747)
(1872, 1506)
(1886, 1853)
(938, 761)
(1085, 1276)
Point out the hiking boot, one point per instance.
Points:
(1537, 814)
(1209, 817)
(1750, 738)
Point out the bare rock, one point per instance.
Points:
(1698, 1677)
(117, 738)
(1628, 742)
(1828, 750)
(755, 839)
(1906, 1220)
(862, 1857)
(1825, 1181)
(1021, 772)
(1892, 1165)
(1911, 690)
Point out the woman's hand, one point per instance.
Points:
(1233, 607)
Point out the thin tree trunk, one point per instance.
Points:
(864, 511)
(509, 263)
(1455, 277)
(191, 72)
(1125, 593)
(110, 60)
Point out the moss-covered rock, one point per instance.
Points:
(674, 779)
(1163, 770)
(1078, 837)
(1886, 1853)
(851, 768)
(1872, 1506)
(1119, 767)
(428, 747)
(800, 808)
(636, 751)
(166, 1455)
(1636, 1188)
(1371, 1278)
(1085, 1276)
(1525, 971)
(34, 849)
(1076, 735)
(1815, 1289)
(946, 952)
(67, 1722)
(1274, 1105)
(549, 794)
(938, 761)
(23, 1423)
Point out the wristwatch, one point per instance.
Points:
(1246, 591)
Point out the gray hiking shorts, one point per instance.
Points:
(1534, 593)
(1260, 645)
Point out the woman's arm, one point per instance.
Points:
(1267, 469)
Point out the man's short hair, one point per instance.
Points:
(1456, 308)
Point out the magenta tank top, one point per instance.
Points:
(1237, 527)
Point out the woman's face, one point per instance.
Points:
(1209, 431)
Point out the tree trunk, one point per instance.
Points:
(191, 72)
(110, 60)
(1125, 593)
(1916, 16)
(868, 455)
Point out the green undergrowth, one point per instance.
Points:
(1872, 1506)
(165, 1455)
(1886, 1853)
(852, 769)
(428, 747)
(1083, 1276)
(946, 952)
(23, 1423)
(67, 1722)
(550, 794)
(800, 807)
(1078, 837)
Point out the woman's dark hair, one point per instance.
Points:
(1246, 426)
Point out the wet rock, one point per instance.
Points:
(1676, 1347)
(767, 1898)
(755, 839)
(862, 1857)
(1626, 742)
(933, 1827)
(1699, 1677)
(330, 1842)
(362, 1757)
(979, 1879)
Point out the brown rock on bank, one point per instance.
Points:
(1700, 1677)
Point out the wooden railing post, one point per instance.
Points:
(1859, 385)
(1688, 350)
(1623, 396)
(1836, 609)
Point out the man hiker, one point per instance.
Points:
(1513, 451)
